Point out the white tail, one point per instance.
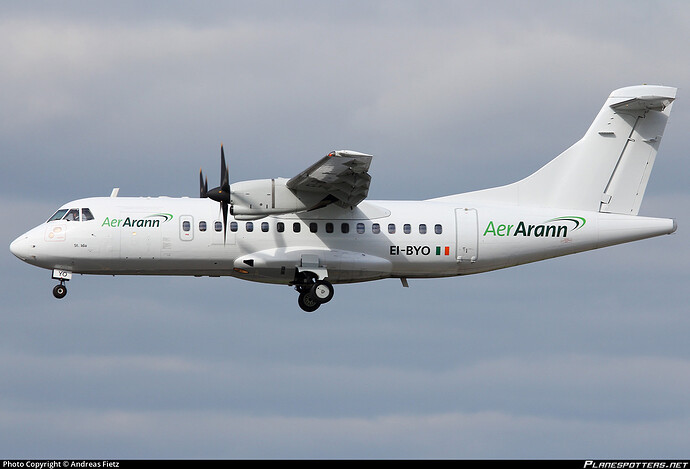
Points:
(608, 169)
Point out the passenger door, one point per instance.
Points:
(186, 227)
(467, 235)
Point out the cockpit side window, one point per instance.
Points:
(58, 215)
(86, 214)
(72, 215)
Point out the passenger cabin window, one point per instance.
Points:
(360, 228)
(72, 215)
(233, 226)
(407, 229)
(58, 215)
(218, 226)
(345, 227)
(296, 227)
(86, 214)
(202, 226)
(313, 227)
(391, 228)
(264, 226)
(376, 228)
(249, 226)
(438, 229)
(422, 229)
(329, 227)
(186, 226)
(280, 226)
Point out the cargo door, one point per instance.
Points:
(140, 236)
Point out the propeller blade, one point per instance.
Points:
(224, 172)
(203, 189)
(224, 206)
(222, 163)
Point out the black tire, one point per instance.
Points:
(322, 291)
(307, 302)
(59, 291)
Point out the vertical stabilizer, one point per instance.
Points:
(628, 181)
(608, 169)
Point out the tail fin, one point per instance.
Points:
(628, 181)
(608, 169)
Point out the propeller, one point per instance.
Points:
(219, 194)
(203, 185)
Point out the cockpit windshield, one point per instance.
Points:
(72, 214)
(58, 215)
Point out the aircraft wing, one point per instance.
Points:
(341, 176)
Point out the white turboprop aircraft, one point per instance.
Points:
(317, 229)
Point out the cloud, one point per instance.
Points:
(217, 435)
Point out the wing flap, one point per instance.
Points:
(340, 174)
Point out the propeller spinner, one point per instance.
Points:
(221, 193)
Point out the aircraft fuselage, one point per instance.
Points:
(377, 239)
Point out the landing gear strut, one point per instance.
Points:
(312, 292)
(60, 290)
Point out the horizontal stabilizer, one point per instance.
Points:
(643, 103)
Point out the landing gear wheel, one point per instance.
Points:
(307, 302)
(59, 291)
(322, 291)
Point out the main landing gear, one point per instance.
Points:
(313, 293)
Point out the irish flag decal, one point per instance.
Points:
(443, 251)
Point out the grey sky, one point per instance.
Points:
(580, 357)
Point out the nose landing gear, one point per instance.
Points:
(313, 293)
(59, 291)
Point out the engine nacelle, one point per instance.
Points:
(251, 200)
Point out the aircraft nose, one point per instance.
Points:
(20, 247)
